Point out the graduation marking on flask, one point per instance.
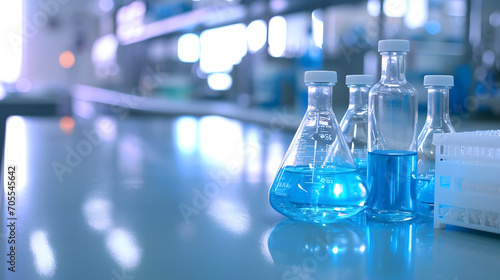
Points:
(318, 180)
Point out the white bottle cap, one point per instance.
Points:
(439, 80)
(359, 80)
(393, 45)
(320, 77)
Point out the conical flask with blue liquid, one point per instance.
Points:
(318, 180)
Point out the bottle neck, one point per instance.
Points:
(319, 96)
(438, 109)
(358, 97)
(393, 67)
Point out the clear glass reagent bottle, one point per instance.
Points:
(354, 124)
(318, 180)
(437, 121)
(392, 138)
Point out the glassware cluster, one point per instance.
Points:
(392, 138)
(372, 159)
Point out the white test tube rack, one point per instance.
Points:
(467, 180)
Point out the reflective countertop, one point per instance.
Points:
(122, 198)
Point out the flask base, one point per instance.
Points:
(391, 216)
(322, 214)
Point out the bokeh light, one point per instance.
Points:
(66, 59)
(67, 124)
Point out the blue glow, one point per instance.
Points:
(362, 248)
(335, 250)
(130, 20)
(220, 140)
(188, 48)
(186, 134)
(304, 193)
(104, 49)
(123, 247)
(317, 27)
(43, 253)
(256, 35)
(16, 139)
(394, 8)
(222, 47)
(106, 5)
(277, 36)
(373, 7)
(98, 214)
(274, 156)
(220, 81)
(418, 15)
(433, 27)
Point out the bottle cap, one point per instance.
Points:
(393, 45)
(359, 80)
(320, 77)
(439, 80)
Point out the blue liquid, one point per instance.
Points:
(425, 194)
(319, 195)
(392, 181)
(362, 164)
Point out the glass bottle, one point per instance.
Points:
(354, 124)
(392, 138)
(318, 180)
(438, 121)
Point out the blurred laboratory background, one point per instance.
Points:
(237, 58)
(145, 135)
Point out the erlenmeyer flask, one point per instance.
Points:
(318, 180)
(438, 121)
(354, 124)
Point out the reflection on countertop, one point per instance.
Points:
(187, 198)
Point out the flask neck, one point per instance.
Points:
(393, 67)
(358, 97)
(438, 109)
(319, 96)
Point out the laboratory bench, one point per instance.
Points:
(186, 197)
